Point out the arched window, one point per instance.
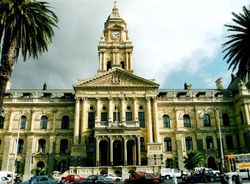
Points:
(209, 141)
(225, 119)
(166, 121)
(65, 122)
(189, 143)
(1, 122)
(44, 122)
(23, 122)
(229, 141)
(41, 145)
(186, 121)
(20, 146)
(167, 144)
(108, 65)
(64, 146)
(169, 163)
(206, 120)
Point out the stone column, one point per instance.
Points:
(98, 110)
(54, 120)
(149, 121)
(76, 124)
(28, 158)
(135, 110)
(6, 153)
(125, 150)
(127, 62)
(11, 120)
(32, 112)
(110, 110)
(84, 123)
(123, 110)
(100, 61)
(139, 150)
(111, 140)
(246, 112)
(156, 123)
(104, 65)
(97, 151)
(52, 149)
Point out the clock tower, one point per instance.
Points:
(115, 48)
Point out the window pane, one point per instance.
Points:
(128, 116)
(189, 144)
(141, 119)
(44, 122)
(104, 116)
(206, 120)
(116, 116)
(23, 122)
(65, 122)
(166, 121)
(186, 120)
(91, 120)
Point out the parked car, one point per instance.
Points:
(41, 180)
(200, 176)
(4, 180)
(97, 179)
(216, 172)
(243, 173)
(168, 173)
(73, 178)
(113, 177)
(142, 177)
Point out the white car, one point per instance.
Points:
(243, 173)
(113, 177)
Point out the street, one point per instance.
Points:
(170, 181)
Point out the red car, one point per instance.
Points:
(73, 178)
(142, 177)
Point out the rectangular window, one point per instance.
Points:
(128, 116)
(104, 116)
(116, 116)
(141, 118)
(91, 120)
(168, 145)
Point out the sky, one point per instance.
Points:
(175, 41)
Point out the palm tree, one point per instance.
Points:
(237, 48)
(26, 26)
(192, 160)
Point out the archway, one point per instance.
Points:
(103, 153)
(40, 168)
(130, 152)
(117, 153)
(211, 163)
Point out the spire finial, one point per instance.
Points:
(115, 9)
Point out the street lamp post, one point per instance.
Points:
(220, 137)
(16, 149)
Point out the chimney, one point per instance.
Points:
(219, 83)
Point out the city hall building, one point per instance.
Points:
(117, 121)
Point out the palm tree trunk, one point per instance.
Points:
(8, 58)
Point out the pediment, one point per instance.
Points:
(116, 78)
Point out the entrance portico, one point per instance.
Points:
(116, 150)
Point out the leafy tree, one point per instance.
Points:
(192, 160)
(26, 26)
(237, 48)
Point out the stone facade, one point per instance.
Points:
(117, 121)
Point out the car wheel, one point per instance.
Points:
(212, 179)
(233, 177)
(167, 177)
(155, 181)
(117, 179)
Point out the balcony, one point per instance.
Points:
(117, 124)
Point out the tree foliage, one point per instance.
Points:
(192, 160)
(237, 48)
(25, 26)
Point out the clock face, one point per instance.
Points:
(115, 35)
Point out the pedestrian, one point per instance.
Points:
(238, 179)
(30, 180)
(174, 179)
